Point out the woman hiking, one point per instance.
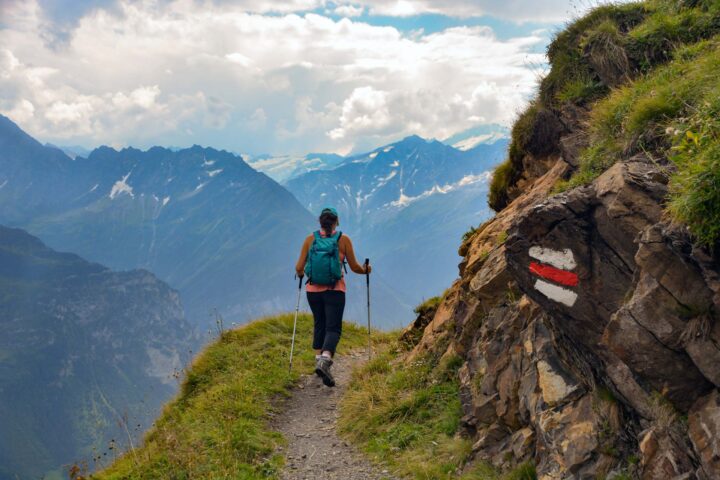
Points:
(322, 257)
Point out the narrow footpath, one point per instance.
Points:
(309, 423)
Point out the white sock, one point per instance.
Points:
(326, 355)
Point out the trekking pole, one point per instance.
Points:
(367, 282)
(297, 309)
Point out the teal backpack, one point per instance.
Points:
(323, 265)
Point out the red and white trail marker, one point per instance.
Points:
(554, 267)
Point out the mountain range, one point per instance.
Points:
(226, 236)
(87, 356)
(408, 203)
(201, 219)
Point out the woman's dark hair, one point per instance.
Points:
(327, 221)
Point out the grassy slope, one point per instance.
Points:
(669, 114)
(648, 72)
(407, 414)
(217, 427)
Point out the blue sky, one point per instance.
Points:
(275, 76)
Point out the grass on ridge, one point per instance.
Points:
(672, 112)
(217, 427)
(408, 416)
(607, 48)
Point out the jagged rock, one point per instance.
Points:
(570, 438)
(627, 299)
(703, 346)
(557, 388)
(490, 438)
(704, 433)
(597, 226)
(664, 455)
(522, 443)
(493, 279)
(412, 334)
(534, 366)
(484, 409)
(661, 368)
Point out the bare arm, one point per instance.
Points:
(300, 265)
(347, 248)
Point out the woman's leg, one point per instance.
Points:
(334, 307)
(317, 306)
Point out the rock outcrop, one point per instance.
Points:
(589, 331)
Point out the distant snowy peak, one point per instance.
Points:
(404, 200)
(283, 168)
(482, 134)
(472, 142)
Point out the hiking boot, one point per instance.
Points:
(322, 368)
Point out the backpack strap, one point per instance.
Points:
(344, 262)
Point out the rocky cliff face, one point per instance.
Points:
(587, 322)
(606, 363)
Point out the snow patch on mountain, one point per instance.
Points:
(212, 173)
(121, 186)
(473, 142)
(404, 200)
(165, 201)
(383, 181)
(208, 163)
(3, 184)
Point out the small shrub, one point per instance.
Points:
(536, 132)
(503, 178)
(428, 306)
(604, 48)
(469, 234)
(581, 90)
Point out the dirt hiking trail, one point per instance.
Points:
(309, 423)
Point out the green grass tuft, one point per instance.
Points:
(428, 305)
(503, 177)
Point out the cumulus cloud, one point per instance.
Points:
(170, 73)
(517, 10)
(348, 10)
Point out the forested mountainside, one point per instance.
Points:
(87, 357)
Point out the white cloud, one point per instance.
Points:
(516, 10)
(349, 10)
(177, 74)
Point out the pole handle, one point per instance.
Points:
(299, 277)
(367, 274)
